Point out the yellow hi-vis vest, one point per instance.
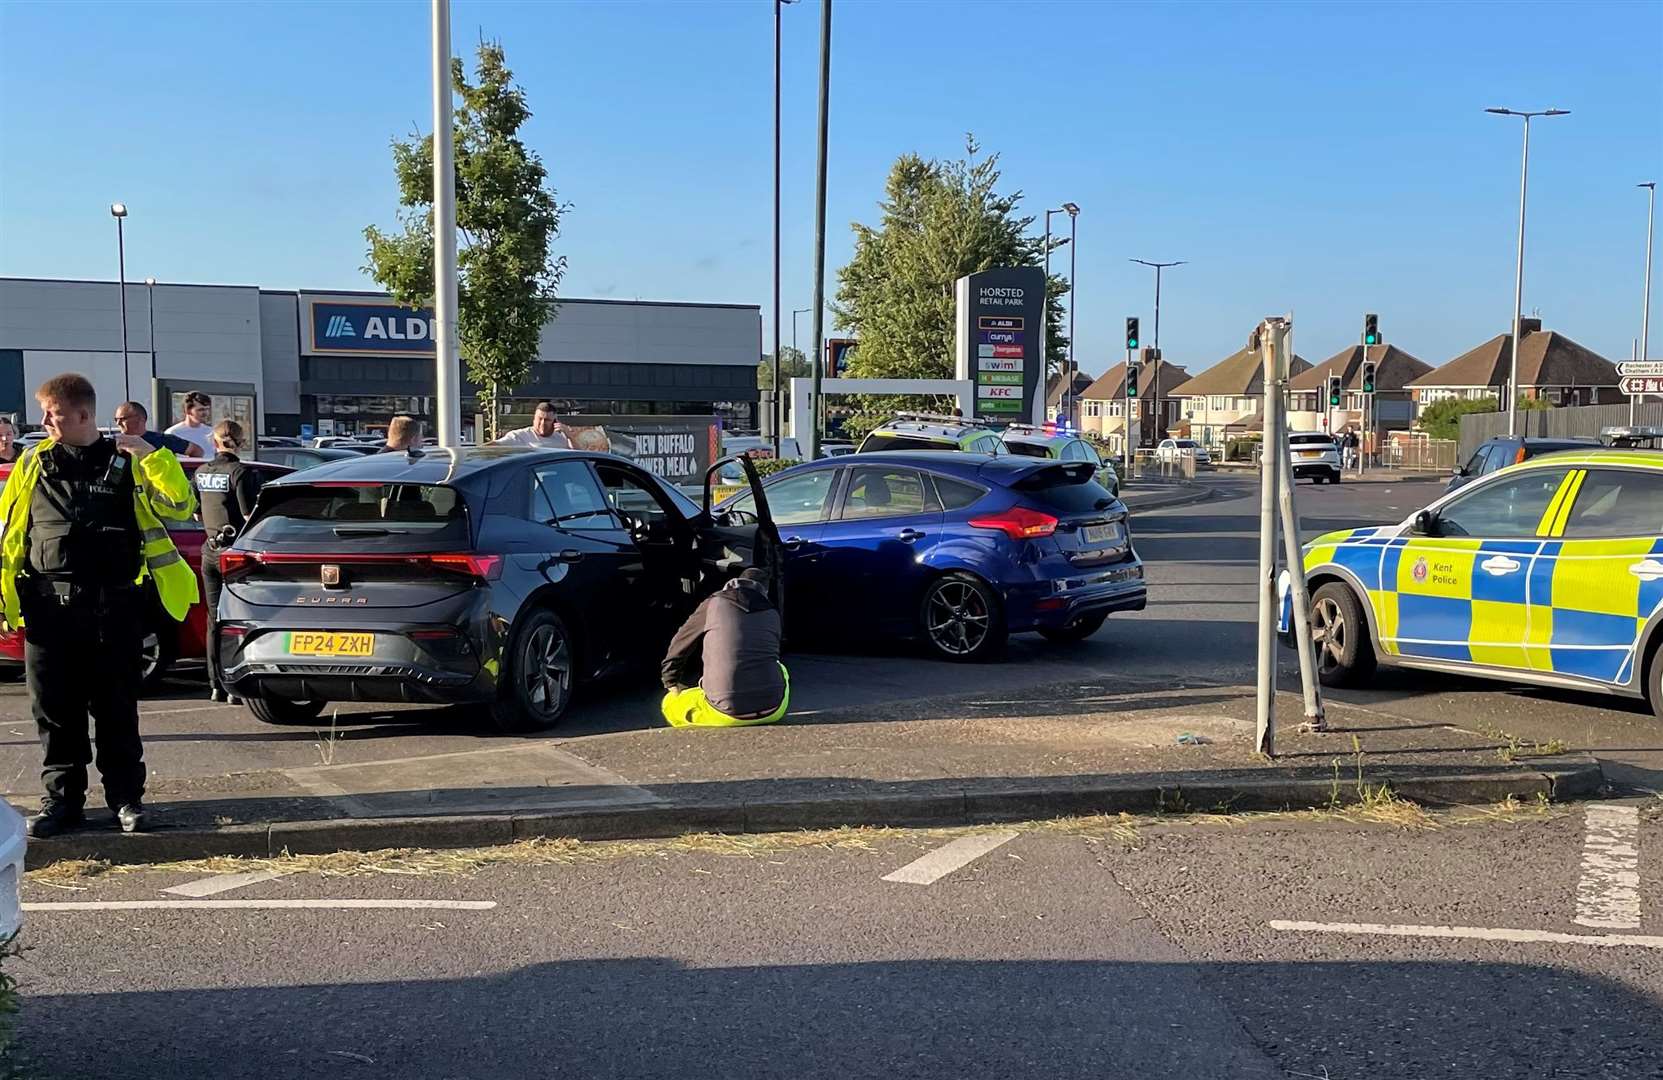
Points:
(160, 490)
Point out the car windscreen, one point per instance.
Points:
(339, 511)
(1311, 440)
(1026, 449)
(888, 441)
(1189, 444)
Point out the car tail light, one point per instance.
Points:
(1518, 457)
(484, 567)
(232, 630)
(1018, 523)
(232, 563)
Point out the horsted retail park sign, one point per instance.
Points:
(367, 328)
(999, 343)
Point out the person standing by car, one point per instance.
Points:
(723, 668)
(82, 527)
(197, 425)
(226, 489)
(8, 440)
(132, 418)
(544, 433)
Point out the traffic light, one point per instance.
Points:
(1133, 370)
(1132, 332)
(1368, 377)
(1371, 329)
(1334, 391)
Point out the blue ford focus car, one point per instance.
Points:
(956, 550)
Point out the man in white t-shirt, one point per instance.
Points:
(197, 426)
(543, 433)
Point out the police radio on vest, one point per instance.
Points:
(414, 329)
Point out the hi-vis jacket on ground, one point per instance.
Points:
(161, 491)
(1548, 572)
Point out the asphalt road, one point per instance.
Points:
(1198, 629)
(1200, 949)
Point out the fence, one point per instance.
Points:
(1567, 423)
(1420, 454)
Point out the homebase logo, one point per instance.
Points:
(339, 327)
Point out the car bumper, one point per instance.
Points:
(1061, 601)
(1315, 468)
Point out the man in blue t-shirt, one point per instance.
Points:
(131, 418)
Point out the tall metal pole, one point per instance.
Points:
(1068, 387)
(1298, 591)
(779, 390)
(448, 381)
(121, 275)
(1045, 306)
(1518, 292)
(1126, 431)
(1645, 308)
(1270, 471)
(150, 297)
(1155, 386)
(817, 419)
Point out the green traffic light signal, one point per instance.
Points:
(1131, 332)
(1371, 329)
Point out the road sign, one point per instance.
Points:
(1632, 385)
(1647, 368)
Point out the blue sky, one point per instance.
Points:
(1321, 158)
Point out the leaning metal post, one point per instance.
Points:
(1315, 717)
(1269, 473)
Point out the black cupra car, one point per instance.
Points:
(500, 576)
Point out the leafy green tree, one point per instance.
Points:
(507, 215)
(939, 220)
(1442, 419)
(793, 365)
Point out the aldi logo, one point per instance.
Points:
(339, 326)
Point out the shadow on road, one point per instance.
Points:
(929, 1019)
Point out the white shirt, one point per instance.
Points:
(200, 434)
(527, 437)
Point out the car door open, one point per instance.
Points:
(728, 544)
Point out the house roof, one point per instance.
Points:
(1055, 385)
(1112, 386)
(1394, 369)
(1240, 374)
(1546, 358)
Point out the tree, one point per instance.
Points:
(1442, 419)
(940, 220)
(507, 216)
(793, 365)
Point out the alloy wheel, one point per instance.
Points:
(1328, 635)
(150, 655)
(957, 618)
(546, 670)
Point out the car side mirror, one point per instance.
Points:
(1426, 523)
(1460, 470)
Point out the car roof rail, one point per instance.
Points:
(942, 418)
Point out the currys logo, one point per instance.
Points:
(370, 329)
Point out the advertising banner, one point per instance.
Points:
(365, 328)
(1000, 340)
(677, 449)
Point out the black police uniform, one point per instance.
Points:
(225, 490)
(84, 617)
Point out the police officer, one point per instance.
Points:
(82, 528)
(226, 489)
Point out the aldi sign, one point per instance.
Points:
(367, 328)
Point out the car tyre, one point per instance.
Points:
(1340, 636)
(961, 619)
(158, 650)
(1078, 630)
(1336, 478)
(1654, 683)
(540, 676)
(270, 709)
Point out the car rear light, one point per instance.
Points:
(1018, 523)
(232, 630)
(432, 635)
(1518, 457)
(484, 567)
(232, 563)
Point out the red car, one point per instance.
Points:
(166, 642)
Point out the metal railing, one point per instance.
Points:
(1420, 454)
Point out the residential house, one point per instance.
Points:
(1103, 404)
(1551, 367)
(1055, 388)
(1394, 404)
(1223, 402)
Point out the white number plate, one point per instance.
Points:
(1102, 534)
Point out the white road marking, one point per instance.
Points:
(1475, 933)
(218, 883)
(1608, 895)
(232, 905)
(194, 708)
(931, 868)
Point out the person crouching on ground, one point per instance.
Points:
(723, 668)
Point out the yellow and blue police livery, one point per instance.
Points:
(1548, 572)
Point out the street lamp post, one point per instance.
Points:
(1073, 296)
(1155, 384)
(815, 420)
(150, 307)
(794, 313)
(1645, 306)
(119, 212)
(779, 401)
(1045, 333)
(1518, 273)
(447, 382)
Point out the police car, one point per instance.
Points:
(1548, 572)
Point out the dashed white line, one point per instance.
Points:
(1608, 894)
(218, 883)
(931, 868)
(276, 905)
(1474, 933)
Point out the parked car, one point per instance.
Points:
(265, 441)
(955, 550)
(347, 442)
(14, 842)
(502, 576)
(1027, 440)
(166, 641)
(1547, 572)
(1170, 451)
(1505, 450)
(836, 448)
(927, 431)
(304, 457)
(1315, 454)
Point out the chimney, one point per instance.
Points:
(1528, 326)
